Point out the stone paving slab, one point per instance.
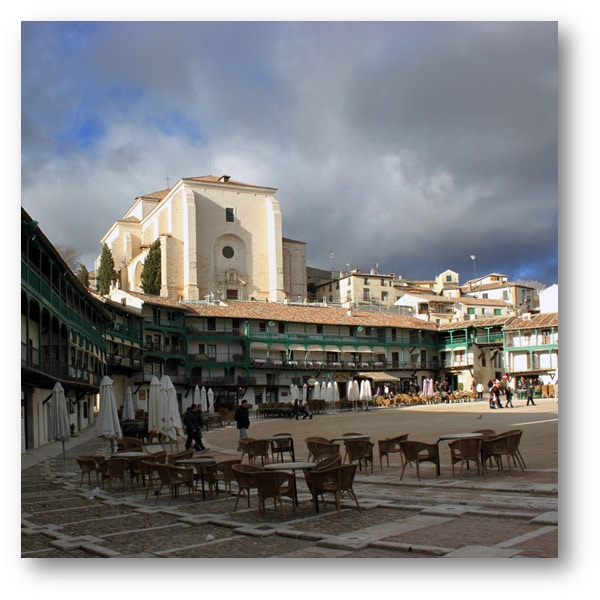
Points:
(505, 515)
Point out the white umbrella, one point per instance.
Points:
(154, 406)
(353, 393)
(304, 392)
(171, 425)
(196, 397)
(204, 399)
(329, 393)
(336, 392)
(323, 395)
(211, 401)
(58, 423)
(107, 425)
(128, 410)
(365, 392)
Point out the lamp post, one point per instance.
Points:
(474, 258)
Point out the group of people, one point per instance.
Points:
(194, 422)
(496, 390)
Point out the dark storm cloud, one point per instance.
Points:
(406, 145)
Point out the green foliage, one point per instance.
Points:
(151, 272)
(83, 276)
(106, 271)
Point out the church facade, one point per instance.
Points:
(220, 240)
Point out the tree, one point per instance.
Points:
(71, 256)
(106, 271)
(151, 273)
(83, 276)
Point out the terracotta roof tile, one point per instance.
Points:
(535, 322)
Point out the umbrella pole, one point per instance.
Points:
(64, 456)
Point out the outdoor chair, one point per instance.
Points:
(328, 462)
(503, 444)
(389, 446)
(243, 443)
(321, 450)
(466, 450)
(175, 456)
(113, 468)
(486, 433)
(277, 485)
(335, 481)
(173, 477)
(88, 465)
(258, 449)
(282, 446)
(419, 452)
(361, 451)
(309, 441)
(245, 477)
(224, 473)
(130, 444)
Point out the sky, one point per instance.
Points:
(401, 146)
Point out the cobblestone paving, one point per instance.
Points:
(506, 515)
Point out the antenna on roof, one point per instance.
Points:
(168, 180)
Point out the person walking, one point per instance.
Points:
(530, 389)
(509, 394)
(199, 443)
(242, 419)
(190, 420)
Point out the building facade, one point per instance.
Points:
(219, 238)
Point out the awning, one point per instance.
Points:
(364, 349)
(332, 348)
(258, 345)
(348, 349)
(297, 347)
(378, 376)
(277, 346)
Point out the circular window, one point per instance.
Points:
(228, 252)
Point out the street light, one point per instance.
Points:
(473, 258)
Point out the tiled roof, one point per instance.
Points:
(298, 313)
(481, 301)
(535, 322)
(477, 323)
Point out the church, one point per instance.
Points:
(220, 240)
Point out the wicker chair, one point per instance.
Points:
(245, 477)
(277, 485)
(258, 449)
(321, 450)
(467, 450)
(127, 444)
(389, 446)
(221, 471)
(113, 468)
(173, 478)
(335, 480)
(309, 441)
(88, 465)
(419, 452)
(504, 444)
(361, 451)
(282, 446)
(328, 462)
(175, 456)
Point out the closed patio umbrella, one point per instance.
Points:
(58, 422)
(204, 399)
(196, 397)
(128, 409)
(107, 424)
(154, 406)
(211, 401)
(170, 418)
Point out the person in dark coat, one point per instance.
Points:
(530, 390)
(242, 419)
(192, 429)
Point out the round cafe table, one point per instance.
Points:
(293, 467)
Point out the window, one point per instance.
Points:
(211, 324)
(497, 312)
(448, 278)
(228, 252)
(229, 215)
(232, 294)
(366, 294)
(281, 327)
(470, 311)
(384, 296)
(366, 281)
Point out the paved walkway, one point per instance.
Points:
(506, 515)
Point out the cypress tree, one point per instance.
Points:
(83, 276)
(152, 271)
(106, 271)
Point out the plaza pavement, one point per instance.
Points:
(508, 514)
